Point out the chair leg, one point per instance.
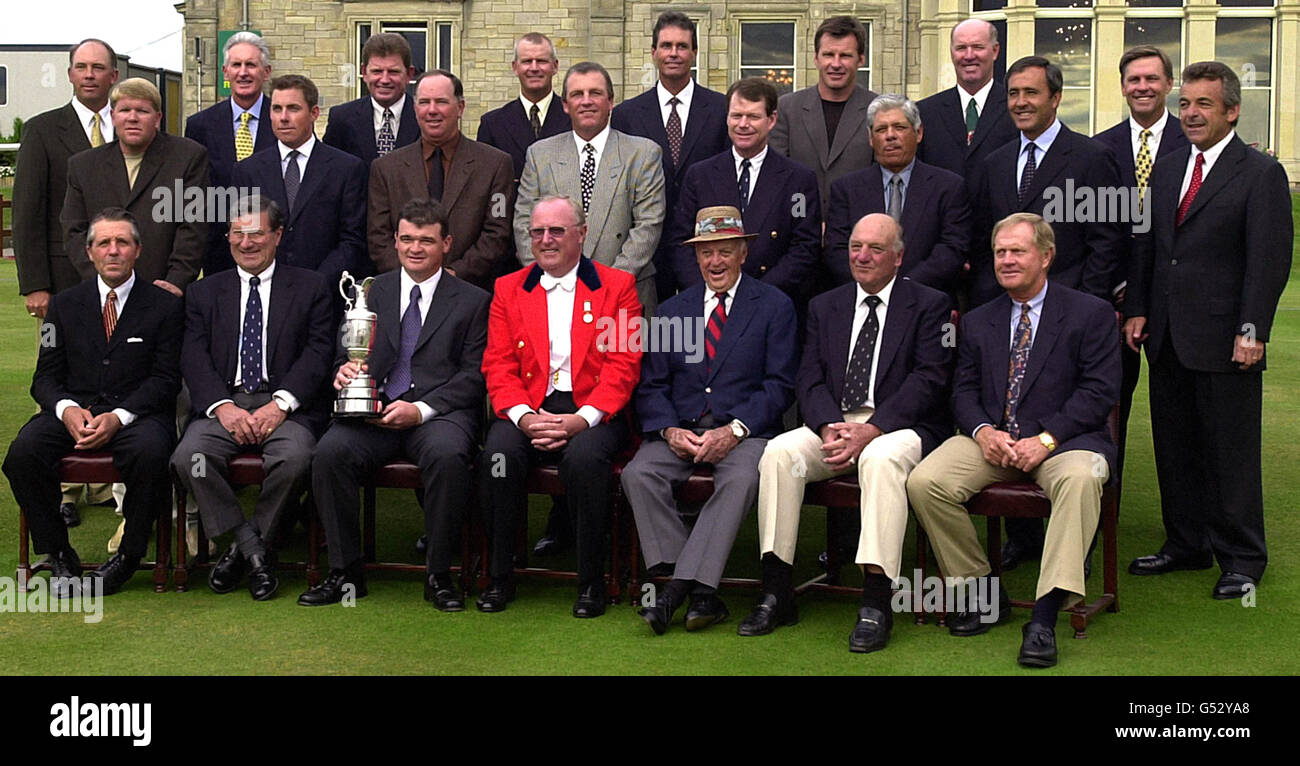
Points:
(1110, 547)
(313, 543)
(921, 543)
(368, 524)
(181, 575)
(24, 573)
(162, 562)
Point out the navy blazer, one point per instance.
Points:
(507, 128)
(944, 144)
(1072, 379)
(351, 128)
(214, 128)
(300, 337)
(913, 371)
(783, 211)
(751, 377)
(704, 137)
(1089, 255)
(326, 230)
(936, 223)
(1118, 138)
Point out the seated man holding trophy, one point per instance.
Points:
(409, 385)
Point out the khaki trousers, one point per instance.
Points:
(954, 472)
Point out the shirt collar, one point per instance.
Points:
(754, 161)
(684, 97)
(105, 118)
(598, 142)
(1035, 303)
(123, 290)
(396, 107)
(263, 278)
(883, 294)
(542, 106)
(253, 111)
(709, 295)
(981, 97)
(1156, 129)
(1212, 154)
(1044, 140)
(906, 174)
(427, 287)
(567, 281)
(304, 150)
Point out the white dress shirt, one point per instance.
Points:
(123, 291)
(980, 96)
(755, 165)
(304, 154)
(597, 142)
(683, 99)
(1211, 156)
(84, 116)
(286, 401)
(1153, 142)
(427, 288)
(543, 106)
(859, 319)
(1043, 143)
(377, 114)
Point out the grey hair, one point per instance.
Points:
(256, 204)
(888, 101)
(579, 217)
(536, 38)
(250, 38)
(112, 215)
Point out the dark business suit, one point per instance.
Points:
(1070, 385)
(800, 134)
(704, 136)
(751, 379)
(326, 229)
(171, 248)
(911, 409)
(1089, 256)
(214, 128)
(299, 337)
(351, 127)
(945, 144)
(936, 223)
(1199, 285)
(136, 370)
(477, 191)
(507, 128)
(1119, 139)
(49, 139)
(446, 375)
(783, 210)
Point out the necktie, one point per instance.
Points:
(713, 330)
(399, 380)
(1027, 176)
(896, 198)
(535, 120)
(110, 314)
(1192, 188)
(857, 381)
(972, 120)
(674, 128)
(588, 176)
(1142, 166)
(250, 351)
(435, 175)
(96, 135)
(743, 185)
(1016, 371)
(292, 179)
(243, 138)
(385, 142)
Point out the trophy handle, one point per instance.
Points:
(364, 290)
(346, 282)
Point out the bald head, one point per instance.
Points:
(875, 251)
(974, 48)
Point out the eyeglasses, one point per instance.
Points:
(556, 232)
(253, 236)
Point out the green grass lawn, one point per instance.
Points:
(1167, 625)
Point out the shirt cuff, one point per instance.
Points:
(590, 414)
(978, 427)
(518, 411)
(62, 405)
(426, 412)
(1115, 290)
(286, 401)
(212, 411)
(125, 416)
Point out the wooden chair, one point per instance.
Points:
(97, 468)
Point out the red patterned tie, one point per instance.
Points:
(110, 314)
(1192, 188)
(713, 331)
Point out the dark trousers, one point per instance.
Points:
(350, 451)
(585, 466)
(140, 453)
(1205, 427)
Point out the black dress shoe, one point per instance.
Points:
(421, 544)
(68, 512)
(1162, 562)
(1015, 553)
(446, 597)
(262, 582)
(225, 574)
(498, 594)
(591, 601)
(871, 633)
(116, 571)
(980, 620)
(767, 615)
(705, 610)
(65, 571)
(1233, 585)
(1038, 647)
(661, 614)
(333, 588)
(549, 545)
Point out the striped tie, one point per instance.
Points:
(243, 138)
(110, 314)
(713, 330)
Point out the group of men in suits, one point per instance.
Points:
(684, 203)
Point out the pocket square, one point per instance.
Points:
(135, 340)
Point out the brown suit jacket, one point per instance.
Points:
(172, 237)
(478, 193)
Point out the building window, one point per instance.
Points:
(4, 86)
(864, 73)
(987, 5)
(1155, 3)
(1064, 3)
(1246, 3)
(1068, 44)
(423, 56)
(1246, 45)
(767, 51)
(1167, 35)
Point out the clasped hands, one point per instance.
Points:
(550, 432)
(249, 428)
(90, 431)
(843, 442)
(1002, 450)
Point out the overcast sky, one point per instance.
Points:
(151, 31)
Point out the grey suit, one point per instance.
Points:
(800, 134)
(627, 208)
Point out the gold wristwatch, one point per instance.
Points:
(1047, 441)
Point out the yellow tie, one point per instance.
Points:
(96, 136)
(243, 138)
(1143, 166)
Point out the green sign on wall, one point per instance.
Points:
(223, 85)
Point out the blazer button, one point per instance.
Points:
(1173, 262)
(521, 344)
(775, 235)
(600, 347)
(105, 362)
(528, 375)
(762, 269)
(708, 390)
(597, 378)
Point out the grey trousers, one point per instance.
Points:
(701, 553)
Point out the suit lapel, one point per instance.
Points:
(1224, 168)
(1165, 186)
(71, 134)
(608, 171)
(851, 123)
(444, 298)
(313, 176)
(954, 121)
(532, 307)
(994, 107)
(149, 165)
(1006, 180)
(896, 324)
(408, 130)
(265, 137)
(814, 122)
(840, 334)
(738, 316)
(694, 127)
(766, 193)
(226, 131)
(999, 321)
(875, 189)
(277, 314)
(1052, 166)
(458, 174)
(1049, 327)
